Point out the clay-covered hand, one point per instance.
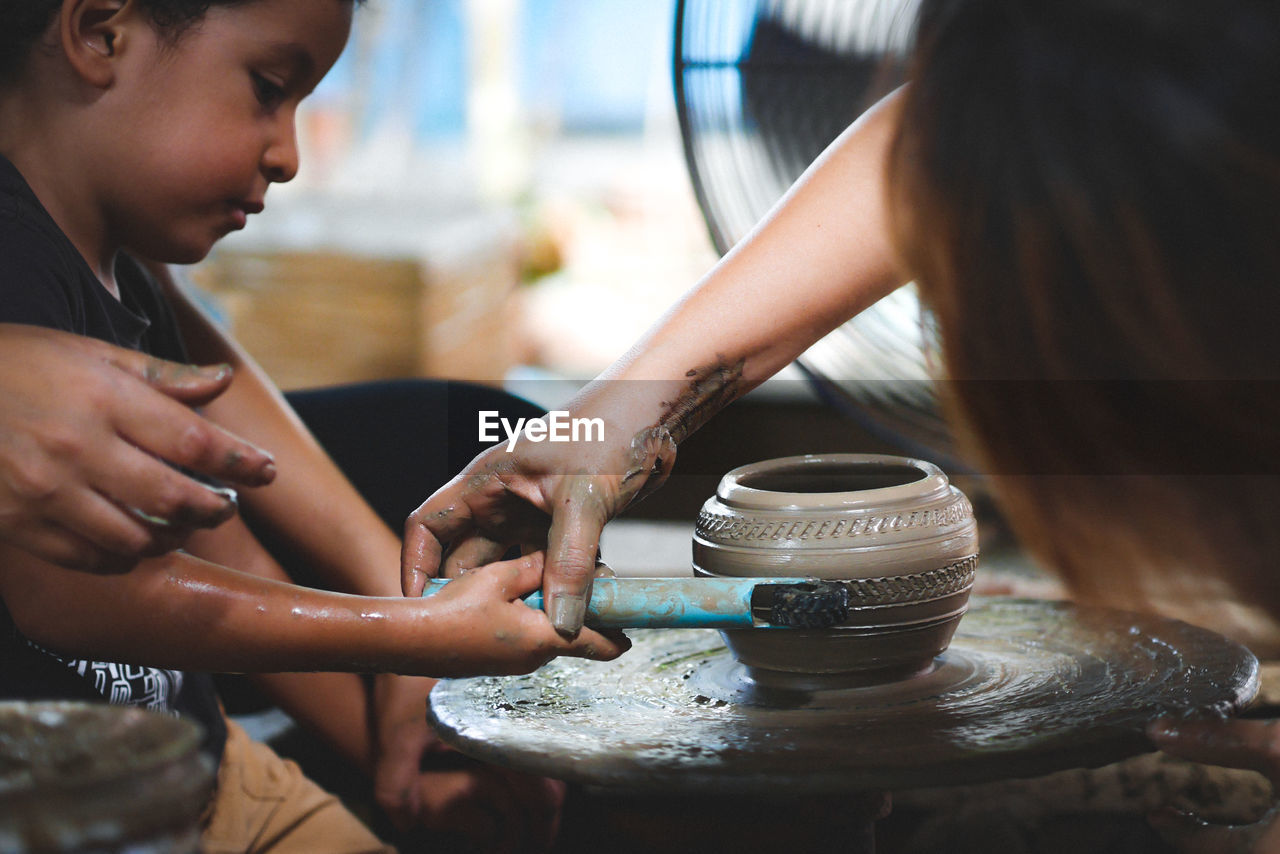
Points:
(83, 432)
(491, 632)
(1253, 744)
(556, 497)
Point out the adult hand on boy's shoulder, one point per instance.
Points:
(84, 429)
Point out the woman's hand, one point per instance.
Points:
(548, 497)
(1253, 744)
(84, 430)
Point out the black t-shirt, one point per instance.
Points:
(44, 281)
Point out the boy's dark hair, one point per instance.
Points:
(22, 22)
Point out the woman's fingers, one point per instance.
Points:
(572, 545)
(440, 519)
(171, 431)
(85, 426)
(57, 544)
(158, 494)
(471, 553)
(193, 385)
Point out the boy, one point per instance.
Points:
(152, 128)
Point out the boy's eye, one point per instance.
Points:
(269, 94)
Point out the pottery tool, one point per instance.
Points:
(711, 603)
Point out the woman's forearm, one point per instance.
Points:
(821, 256)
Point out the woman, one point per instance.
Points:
(1088, 194)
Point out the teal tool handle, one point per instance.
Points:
(659, 603)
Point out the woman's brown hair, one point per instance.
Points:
(1088, 195)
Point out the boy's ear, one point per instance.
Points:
(93, 33)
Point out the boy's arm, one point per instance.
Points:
(178, 611)
(319, 514)
(311, 505)
(387, 738)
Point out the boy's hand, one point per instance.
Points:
(487, 808)
(402, 738)
(492, 632)
(1253, 744)
(423, 785)
(82, 426)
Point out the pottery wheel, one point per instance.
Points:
(1026, 688)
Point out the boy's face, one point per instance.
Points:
(204, 125)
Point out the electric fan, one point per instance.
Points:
(762, 87)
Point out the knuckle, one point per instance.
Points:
(33, 479)
(62, 440)
(543, 649)
(185, 503)
(195, 443)
(576, 562)
(168, 499)
(102, 398)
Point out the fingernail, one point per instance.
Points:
(227, 493)
(268, 472)
(149, 519)
(566, 612)
(217, 373)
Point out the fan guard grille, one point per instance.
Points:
(762, 87)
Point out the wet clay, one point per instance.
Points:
(708, 390)
(1026, 688)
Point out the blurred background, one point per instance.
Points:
(490, 190)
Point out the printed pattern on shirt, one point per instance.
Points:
(152, 688)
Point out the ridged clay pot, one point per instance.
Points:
(895, 528)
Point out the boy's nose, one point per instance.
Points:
(280, 160)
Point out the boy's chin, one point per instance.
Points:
(193, 256)
(177, 253)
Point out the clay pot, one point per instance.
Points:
(89, 777)
(895, 528)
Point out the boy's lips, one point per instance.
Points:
(241, 211)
